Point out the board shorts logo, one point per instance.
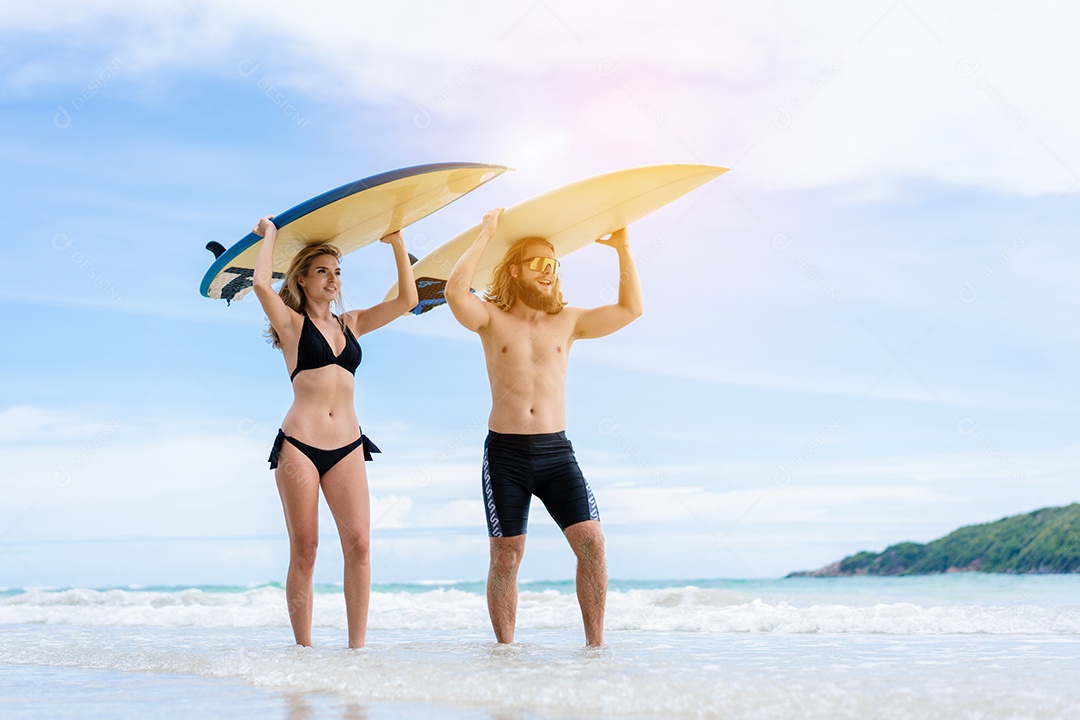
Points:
(489, 500)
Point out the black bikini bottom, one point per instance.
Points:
(323, 460)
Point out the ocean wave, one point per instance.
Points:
(686, 609)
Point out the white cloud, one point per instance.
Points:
(966, 93)
(27, 423)
(766, 506)
(457, 513)
(390, 511)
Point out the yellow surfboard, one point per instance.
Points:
(570, 217)
(349, 217)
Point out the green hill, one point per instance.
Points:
(1044, 541)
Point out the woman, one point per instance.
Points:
(320, 443)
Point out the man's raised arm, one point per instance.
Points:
(606, 319)
(471, 311)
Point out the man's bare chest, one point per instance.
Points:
(518, 342)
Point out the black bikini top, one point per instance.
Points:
(313, 350)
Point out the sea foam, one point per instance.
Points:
(670, 609)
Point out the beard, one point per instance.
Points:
(536, 299)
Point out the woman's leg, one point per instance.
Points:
(346, 490)
(298, 485)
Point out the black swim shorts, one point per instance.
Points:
(516, 467)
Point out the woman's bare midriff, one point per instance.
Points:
(322, 413)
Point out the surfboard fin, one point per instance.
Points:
(430, 291)
(413, 259)
(432, 294)
(215, 247)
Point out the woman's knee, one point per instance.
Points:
(357, 547)
(302, 554)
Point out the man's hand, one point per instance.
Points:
(619, 239)
(606, 319)
(491, 222)
(472, 312)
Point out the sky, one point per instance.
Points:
(864, 333)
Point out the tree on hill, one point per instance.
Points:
(1043, 541)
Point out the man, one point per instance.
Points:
(526, 330)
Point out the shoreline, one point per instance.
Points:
(546, 676)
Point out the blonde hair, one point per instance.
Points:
(501, 288)
(291, 292)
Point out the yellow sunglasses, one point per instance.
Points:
(542, 264)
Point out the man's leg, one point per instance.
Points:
(587, 542)
(506, 554)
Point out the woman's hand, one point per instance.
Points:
(392, 238)
(264, 226)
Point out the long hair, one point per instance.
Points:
(290, 291)
(501, 288)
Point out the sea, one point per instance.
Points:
(964, 645)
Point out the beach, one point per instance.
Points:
(848, 350)
(958, 646)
